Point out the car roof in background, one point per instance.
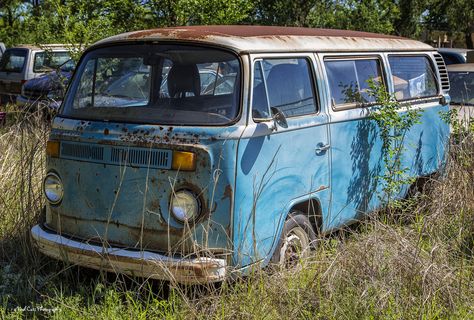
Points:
(456, 50)
(462, 67)
(274, 39)
(53, 47)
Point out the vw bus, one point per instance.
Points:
(188, 154)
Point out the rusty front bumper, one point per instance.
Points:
(135, 263)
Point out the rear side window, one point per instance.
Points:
(413, 77)
(285, 84)
(13, 60)
(349, 80)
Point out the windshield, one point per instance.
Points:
(68, 66)
(13, 60)
(46, 61)
(153, 83)
(462, 88)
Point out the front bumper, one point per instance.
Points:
(135, 263)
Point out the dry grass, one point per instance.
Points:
(416, 266)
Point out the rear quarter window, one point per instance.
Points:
(349, 80)
(413, 77)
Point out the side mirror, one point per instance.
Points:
(445, 100)
(278, 117)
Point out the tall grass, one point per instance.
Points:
(417, 265)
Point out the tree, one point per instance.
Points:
(454, 15)
(286, 12)
(409, 22)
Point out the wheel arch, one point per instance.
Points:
(310, 206)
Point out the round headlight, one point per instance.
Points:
(53, 188)
(184, 206)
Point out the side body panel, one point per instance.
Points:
(357, 155)
(277, 169)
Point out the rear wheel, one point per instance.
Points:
(295, 241)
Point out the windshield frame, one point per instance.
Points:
(81, 64)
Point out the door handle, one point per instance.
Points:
(321, 148)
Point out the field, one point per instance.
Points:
(413, 262)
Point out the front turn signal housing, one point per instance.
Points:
(183, 161)
(52, 148)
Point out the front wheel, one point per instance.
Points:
(295, 241)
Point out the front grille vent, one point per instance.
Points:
(443, 72)
(123, 156)
(82, 151)
(141, 157)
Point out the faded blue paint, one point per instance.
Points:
(358, 163)
(274, 169)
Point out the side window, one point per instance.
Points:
(260, 109)
(285, 84)
(413, 77)
(349, 80)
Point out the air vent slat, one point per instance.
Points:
(139, 157)
(443, 72)
(81, 151)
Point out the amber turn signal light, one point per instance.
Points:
(184, 161)
(52, 148)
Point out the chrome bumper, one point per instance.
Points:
(135, 263)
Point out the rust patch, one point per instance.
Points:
(227, 192)
(154, 205)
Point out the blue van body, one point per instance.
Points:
(114, 213)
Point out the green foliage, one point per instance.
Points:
(394, 120)
(455, 15)
(83, 22)
(366, 15)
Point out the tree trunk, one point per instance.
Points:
(469, 43)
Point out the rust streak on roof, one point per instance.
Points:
(199, 32)
(274, 39)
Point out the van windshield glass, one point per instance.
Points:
(153, 83)
(13, 60)
(46, 61)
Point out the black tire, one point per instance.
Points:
(295, 242)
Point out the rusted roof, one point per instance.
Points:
(268, 38)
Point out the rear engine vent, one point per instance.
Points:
(141, 157)
(443, 72)
(82, 151)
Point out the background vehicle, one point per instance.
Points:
(454, 55)
(48, 89)
(23, 63)
(461, 78)
(2, 49)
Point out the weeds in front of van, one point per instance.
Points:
(394, 120)
(421, 269)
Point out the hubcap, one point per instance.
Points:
(294, 248)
